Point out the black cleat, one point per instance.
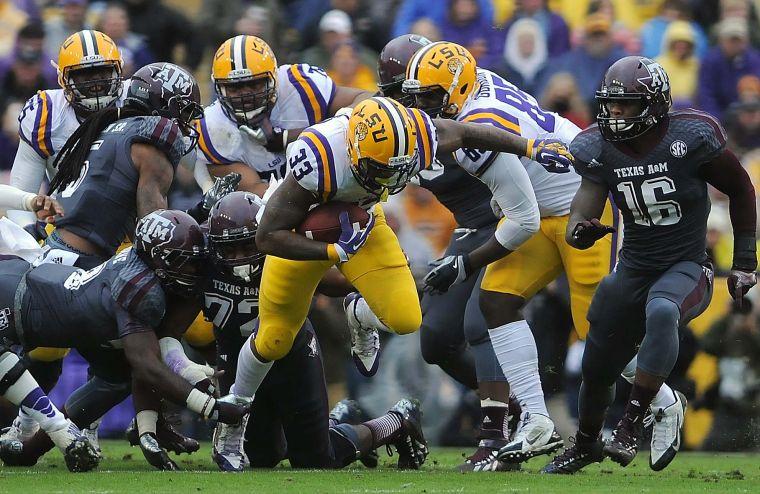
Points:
(624, 444)
(349, 412)
(155, 454)
(576, 457)
(81, 456)
(485, 458)
(167, 436)
(10, 450)
(410, 444)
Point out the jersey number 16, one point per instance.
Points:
(646, 209)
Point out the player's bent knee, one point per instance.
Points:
(45, 354)
(500, 308)
(273, 345)
(404, 320)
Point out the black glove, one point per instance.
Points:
(222, 186)
(447, 272)
(37, 230)
(272, 138)
(587, 232)
(231, 409)
(739, 283)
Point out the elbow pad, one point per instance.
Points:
(512, 234)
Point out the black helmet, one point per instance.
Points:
(391, 66)
(169, 91)
(232, 234)
(633, 79)
(172, 244)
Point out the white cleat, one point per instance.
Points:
(535, 436)
(17, 431)
(228, 452)
(79, 454)
(667, 432)
(365, 341)
(91, 433)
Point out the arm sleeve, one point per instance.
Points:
(13, 198)
(727, 174)
(510, 185)
(202, 175)
(27, 174)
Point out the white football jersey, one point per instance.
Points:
(319, 159)
(498, 102)
(304, 95)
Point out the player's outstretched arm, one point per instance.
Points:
(584, 227)
(285, 211)
(726, 174)
(453, 135)
(156, 175)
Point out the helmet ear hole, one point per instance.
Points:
(463, 89)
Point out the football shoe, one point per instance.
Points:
(348, 412)
(624, 443)
(535, 436)
(579, 455)
(78, 453)
(410, 444)
(155, 454)
(17, 431)
(228, 452)
(365, 341)
(667, 432)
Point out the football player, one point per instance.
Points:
(89, 73)
(260, 108)
(656, 165)
(289, 415)
(121, 160)
(118, 303)
(362, 158)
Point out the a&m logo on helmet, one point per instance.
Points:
(155, 229)
(658, 78)
(173, 78)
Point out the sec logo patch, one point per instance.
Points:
(678, 149)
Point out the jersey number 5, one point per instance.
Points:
(653, 212)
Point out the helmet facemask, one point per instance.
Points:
(92, 87)
(381, 179)
(624, 128)
(247, 100)
(433, 100)
(180, 271)
(235, 251)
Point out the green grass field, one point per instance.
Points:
(124, 470)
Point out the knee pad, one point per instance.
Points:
(344, 445)
(44, 354)
(662, 313)
(11, 369)
(274, 343)
(629, 373)
(436, 346)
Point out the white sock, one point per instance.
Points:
(32, 401)
(664, 397)
(146, 422)
(367, 318)
(250, 371)
(26, 423)
(517, 354)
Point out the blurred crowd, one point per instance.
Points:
(557, 50)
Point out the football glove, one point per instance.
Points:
(274, 139)
(739, 283)
(351, 239)
(551, 153)
(231, 409)
(447, 272)
(222, 186)
(587, 232)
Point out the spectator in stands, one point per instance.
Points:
(347, 69)
(562, 96)
(27, 70)
(553, 27)
(735, 341)
(464, 24)
(369, 19)
(427, 28)
(680, 62)
(12, 19)
(71, 20)
(411, 11)
(525, 55)
(114, 22)
(725, 64)
(9, 134)
(334, 29)
(653, 35)
(164, 29)
(255, 20)
(590, 60)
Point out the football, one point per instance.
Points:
(323, 224)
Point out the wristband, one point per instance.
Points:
(529, 152)
(200, 403)
(336, 254)
(745, 252)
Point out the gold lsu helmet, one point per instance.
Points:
(244, 72)
(382, 145)
(441, 76)
(89, 70)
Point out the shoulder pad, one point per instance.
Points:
(314, 87)
(703, 130)
(164, 134)
(137, 290)
(36, 124)
(587, 148)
